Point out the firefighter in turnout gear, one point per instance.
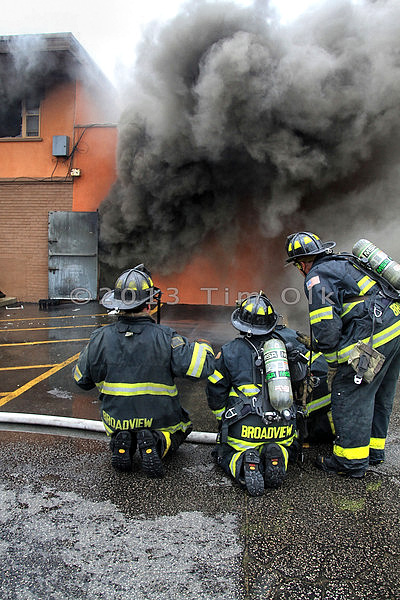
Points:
(133, 362)
(353, 315)
(255, 438)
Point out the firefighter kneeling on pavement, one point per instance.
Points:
(133, 363)
(257, 420)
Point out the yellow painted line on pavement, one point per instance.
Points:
(47, 328)
(4, 393)
(26, 367)
(37, 380)
(45, 342)
(45, 318)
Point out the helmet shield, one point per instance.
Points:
(255, 316)
(133, 288)
(302, 244)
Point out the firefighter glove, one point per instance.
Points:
(304, 339)
(329, 378)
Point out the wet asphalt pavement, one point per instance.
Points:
(72, 527)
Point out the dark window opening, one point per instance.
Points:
(11, 120)
(20, 119)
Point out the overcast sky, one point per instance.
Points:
(108, 30)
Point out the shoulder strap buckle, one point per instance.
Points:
(257, 405)
(230, 413)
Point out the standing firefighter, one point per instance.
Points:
(133, 363)
(251, 395)
(352, 313)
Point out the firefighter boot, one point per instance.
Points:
(376, 457)
(274, 466)
(253, 478)
(374, 462)
(122, 449)
(330, 465)
(150, 444)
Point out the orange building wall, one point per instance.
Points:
(64, 107)
(96, 159)
(33, 158)
(33, 182)
(95, 128)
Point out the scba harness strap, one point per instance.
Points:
(387, 290)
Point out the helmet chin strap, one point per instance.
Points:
(303, 271)
(300, 268)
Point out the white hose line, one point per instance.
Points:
(197, 437)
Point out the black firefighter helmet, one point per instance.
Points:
(302, 244)
(255, 315)
(133, 289)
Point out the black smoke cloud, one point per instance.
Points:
(231, 113)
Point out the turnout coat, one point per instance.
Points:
(133, 364)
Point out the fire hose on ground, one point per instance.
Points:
(196, 437)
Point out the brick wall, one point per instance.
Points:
(24, 208)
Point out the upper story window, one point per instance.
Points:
(30, 118)
(20, 119)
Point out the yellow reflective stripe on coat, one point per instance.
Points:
(380, 338)
(182, 426)
(348, 306)
(377, 443)
(365, 284)
(136, 389)
(249, 389)
(77, 373)
(242, 445)
(207, 347)
(314, 357)
(198, 358)
(285, 455)
(218, 413)
(233, 463)
(321, 314)
(351, 453)
(331, 423)
(288, 442)
(215, 377)
(167, 437)
(331, 357)
(319, 403)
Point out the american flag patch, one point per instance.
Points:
(313, 281)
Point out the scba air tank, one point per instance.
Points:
(277, 374)
(379, 261)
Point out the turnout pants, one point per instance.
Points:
(361, 413)
(231, 460)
